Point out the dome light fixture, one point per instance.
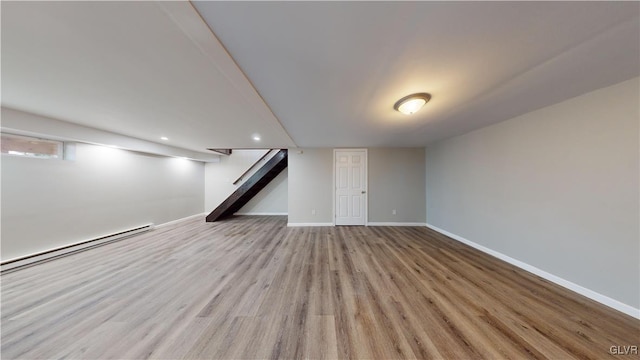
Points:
(410, 104)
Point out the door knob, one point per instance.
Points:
(364, 192)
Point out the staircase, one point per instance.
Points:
(251, 187)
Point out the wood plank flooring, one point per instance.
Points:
(251, 288)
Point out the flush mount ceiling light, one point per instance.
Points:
(164, 138)
(256, 137)
(412, 103)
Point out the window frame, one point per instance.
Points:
(60, 147)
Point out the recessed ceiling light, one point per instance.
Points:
(164, 138)
(256, 137)
(412, 103)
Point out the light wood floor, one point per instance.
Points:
(251, 288)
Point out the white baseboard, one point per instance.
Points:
(309, 224)
(368, 224)
(262, 213)
(50, 254)
(173, 222)
(603, 299)
(396, 224)
(15, 263)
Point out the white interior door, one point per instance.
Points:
(351, 187)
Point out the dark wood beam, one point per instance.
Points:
(222, 151)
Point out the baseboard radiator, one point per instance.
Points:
(37, 258)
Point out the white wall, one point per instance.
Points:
(395, 180)
(557, 188)
(272, 200)
(52, 203)
(219, 178)
(310, 182)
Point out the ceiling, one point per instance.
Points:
(308, 74)
(143, 69)
(331, 71)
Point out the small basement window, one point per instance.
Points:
(31, 147)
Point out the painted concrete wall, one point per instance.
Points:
(52, 203)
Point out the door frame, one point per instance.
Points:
(366, 183)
